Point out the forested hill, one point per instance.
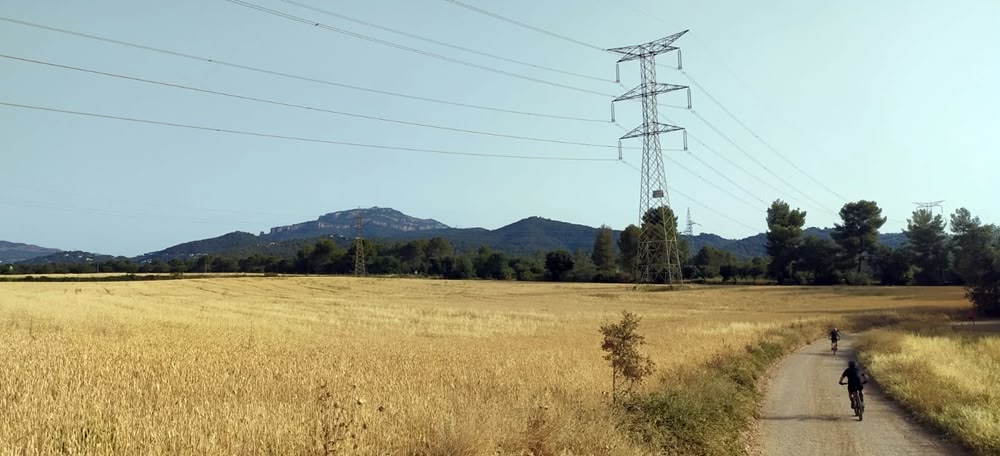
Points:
(235, 245)
(12, 252)
(524, 237)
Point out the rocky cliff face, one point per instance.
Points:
(375, 221)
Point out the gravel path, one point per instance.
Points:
(806, 412)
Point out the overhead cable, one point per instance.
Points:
(758, 137)
(721, 134)
(442, 43)
(297, 138)
(527, 26)
(297, 77)
(693, 200)
(414, 50)
(306, 107)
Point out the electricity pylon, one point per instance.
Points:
(690, 225)
(929, 207)
(658, 258)
(359, 251)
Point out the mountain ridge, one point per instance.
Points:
(376, 220)
(14, 252)
(523, 237)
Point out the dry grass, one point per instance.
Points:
(359, 366)
(946, 377)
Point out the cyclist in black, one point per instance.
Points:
(834, 337)
(856, 380)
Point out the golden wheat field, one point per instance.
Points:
(336, 365)
(947, 375)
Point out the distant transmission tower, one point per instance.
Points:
(690, 225)
(929, 207)
(658, 259)
(359, 251)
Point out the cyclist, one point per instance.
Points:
(856, 380)
(834, 337)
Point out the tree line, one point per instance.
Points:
(969, 255)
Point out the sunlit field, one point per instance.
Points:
(326, 365)
(949, 376)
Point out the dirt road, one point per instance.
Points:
(806, 412)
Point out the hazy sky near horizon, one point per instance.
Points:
(892, 101)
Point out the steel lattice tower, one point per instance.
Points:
(929, 207)
(689, 231)
(658, 259)
(359, 251)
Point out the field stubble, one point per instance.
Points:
(947, 375)
(360, 366)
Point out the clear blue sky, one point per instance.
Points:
(893, 101)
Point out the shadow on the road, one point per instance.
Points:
(808, 418)
(841, 355)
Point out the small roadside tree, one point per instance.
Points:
(621, 342)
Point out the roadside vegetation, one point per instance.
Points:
(707, 409)
(947, 376)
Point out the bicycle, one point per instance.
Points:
(857, 403)
(833, 347)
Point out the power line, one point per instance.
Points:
(716, 170)
(758, 162)
(689, 198)
(741, 168)
(411, 49)
(722, 175)
(780, 192)
(695, 174)
(737, 78)
(442, 43)
(297, 138)
(713, 184)
(296, 77)
(306, 107)
(522, 24)
(753, 133)
(759, 138)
